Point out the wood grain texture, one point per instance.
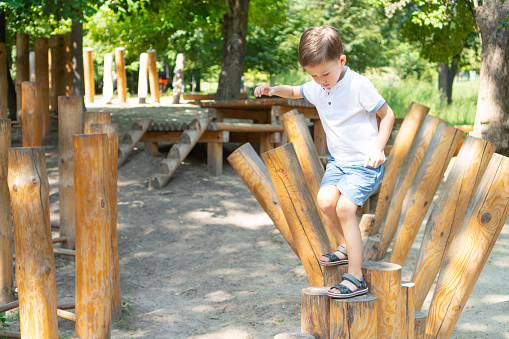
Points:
(35, 265)
(420, 325)
(299, 209)
(93, 236)
(70, 122)
(354, 318)
(384, 281)
(41, 48)
(253, 172)
(153, 77)
(470, 248)
(420, 194)
(315, 312)
(399, 152)
(121, 74)
(450, 207)
(332, 275)
(407, 306)
(407, 173)
(88, 72)
(31, 113)
(6, 234)
(90, 118)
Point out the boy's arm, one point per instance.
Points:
(386, 115)
(285, 91)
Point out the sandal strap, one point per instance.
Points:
(342, 250)
(342, 288)
(332, 257)
(353, 280)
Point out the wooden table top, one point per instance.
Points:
(257, 104)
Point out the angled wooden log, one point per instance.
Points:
(384, 281)
(297, 132)
(407, 306)
(370, 224)
(425, 184)
(31, 113)
(420, 325)
(41, 48)
(253, 172)
(22, 68)
(130, 140)
(153, 75)
(111, 130)
(88, 70)
(121, 74)
(70, 122)
(6, 234)
(93, 236)
(315, 312)
(90, 118)
(299, 209)
(470, 248)
(407, 173)
(4, 109)
(354, 318)
(450, 207)
(35, 265)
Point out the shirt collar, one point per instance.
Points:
(331, 90)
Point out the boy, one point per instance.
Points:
(347, 103)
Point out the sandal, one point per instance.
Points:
(334, 259)
(345, 292)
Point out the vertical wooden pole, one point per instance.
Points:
(41, 47)
(108, 78)
(68, 64)
(31, 113)
(4, 109)
(319, 137)
(153, 75)
(111, 130)
(6, 236)
(142, 78)
(58, 71)
(407, 306)
(70, 122)
(31, 66)
(178, 85)
(470, 248)
(420, 325)
(384, 281)
(88, 65)
(22, 67)
(35, 265)
(121, 76)
(315, 312)
(450, 207)
(93, 236)
(90, 118)
(354, 317)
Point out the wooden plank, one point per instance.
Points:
(244, 127)
(66, 315)
(172, 137)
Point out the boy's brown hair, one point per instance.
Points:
(319, 44)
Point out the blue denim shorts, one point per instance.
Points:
(355, 182)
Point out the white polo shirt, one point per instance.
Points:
(348, 114)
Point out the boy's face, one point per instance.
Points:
(327, 73)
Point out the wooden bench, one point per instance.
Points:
(198, 97)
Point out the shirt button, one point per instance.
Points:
(329, 103)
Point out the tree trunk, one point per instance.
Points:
(11, 93)
(446, 74)
(492, 116)
(234, 46)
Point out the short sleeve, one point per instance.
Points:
(369, 98)
(307, 92)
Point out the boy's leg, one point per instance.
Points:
(327, 199)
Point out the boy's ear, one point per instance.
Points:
(342, 59)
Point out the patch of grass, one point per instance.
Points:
(67, 335)
(123, 323)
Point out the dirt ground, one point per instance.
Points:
(201, 259)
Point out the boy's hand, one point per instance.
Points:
(264, 90)
(374, 159)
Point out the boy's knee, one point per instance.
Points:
(326, 202)
(346, 211)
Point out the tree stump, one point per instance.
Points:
(90, 118)
(93, 236)
(31, 113)
(35, 265)
(354, 318)
(108, 77)
(88, 66)
(333, 275)
(153, 76)
(315, 312)
(420, 325)
(22, 68)
(142, 78)
(41, 48)
(407, 307)
(121, 75)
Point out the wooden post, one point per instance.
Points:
(70, 122)
(332, 275)
(6, 236)
(406, 136)
(315, 312)
(153, 75)
(22, 67)
(354, 317)
(35, 265)
(58, 71)
(108, 78)
(407, 306)
(470, 248)
(253, 172)
(121, 76)
(299, 209)
(90, 118)
(93, 236)
(31, 113)
(178, 84)
(298, 134)
(142, 78)
(450, 207)
(372, 248)
(41, 47)
(420, 195)
(88, 65)
(111, 130)
(384, 281)
(420, 325)
(68, 64)
(4, 109)
(31, 66)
